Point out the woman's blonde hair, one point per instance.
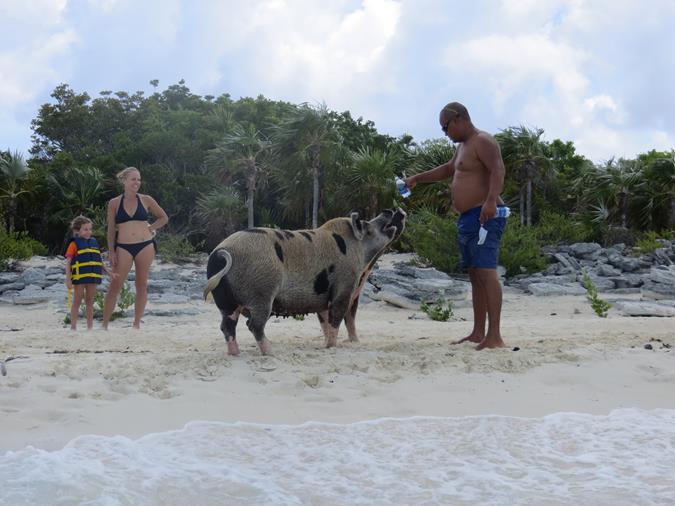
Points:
(77, 223)
(122, 175)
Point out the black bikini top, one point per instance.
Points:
(141, 213)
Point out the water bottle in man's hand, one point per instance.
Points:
(502, 212)
(402, 188)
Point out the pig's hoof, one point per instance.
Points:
(352, 339)
(232, 348)
(331, 343)
(264, 347)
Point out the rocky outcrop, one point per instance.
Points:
(613, 271)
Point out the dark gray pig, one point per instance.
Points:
(262, 271)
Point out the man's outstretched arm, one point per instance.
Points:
(445, 171)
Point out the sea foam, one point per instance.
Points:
(626, 457)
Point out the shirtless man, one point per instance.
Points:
(477, 172)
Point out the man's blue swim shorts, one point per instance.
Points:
(482, 256)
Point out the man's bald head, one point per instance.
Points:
(455, 109)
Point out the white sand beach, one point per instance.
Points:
(560, 357)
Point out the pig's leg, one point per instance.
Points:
(256, 324)
(229, 328)
(323, 321)
(336, 314)
(350, 317)
(350, 320)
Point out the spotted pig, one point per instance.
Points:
(262, 271)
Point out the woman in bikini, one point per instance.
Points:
(131, 241)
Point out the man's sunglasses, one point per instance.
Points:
(444, 126)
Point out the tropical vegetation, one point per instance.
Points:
(218, 164)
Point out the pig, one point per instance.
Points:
(262, 271)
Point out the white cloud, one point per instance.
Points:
(600, 102)
(37, 13)
(35, 36)
(305, 50)
(30, 69)
(516, 63)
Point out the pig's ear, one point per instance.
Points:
(357, 226)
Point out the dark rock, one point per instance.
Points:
(607, 270)
(567, 261)
(640, 308)
(19, 285)
(548, 289)
(8, 277)
(33, 276)
(585, 250)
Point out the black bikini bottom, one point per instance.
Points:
(136, 247)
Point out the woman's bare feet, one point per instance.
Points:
(490, 342)
(474, 338)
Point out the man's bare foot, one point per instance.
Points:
(137, 326)
(490, 342)
(472, 338)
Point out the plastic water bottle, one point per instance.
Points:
(402, 188)
(502, 212)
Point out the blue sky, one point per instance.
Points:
(598, 72)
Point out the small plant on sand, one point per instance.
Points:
(599, 306)
(438, 311)
(299, 317)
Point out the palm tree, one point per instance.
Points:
(608, 189)
(654, 194)
(524, 156)
(242, 149)
(222, 211)
(77, 191)
(14, 170)
(371, 179)
(302, 139)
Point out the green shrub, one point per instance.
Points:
(174, 247)
(433, 238)
(555, 228)
(18, 246)
(648, 243)
(438, 311)
(520, 249)
(599, 306)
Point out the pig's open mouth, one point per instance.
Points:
(395, 223)
(390, 229)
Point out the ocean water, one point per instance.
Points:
(625, 458)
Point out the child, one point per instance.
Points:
(84, 269)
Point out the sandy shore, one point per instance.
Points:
(560, 357)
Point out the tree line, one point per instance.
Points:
(217, 165)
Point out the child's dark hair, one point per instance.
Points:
(77, 223)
